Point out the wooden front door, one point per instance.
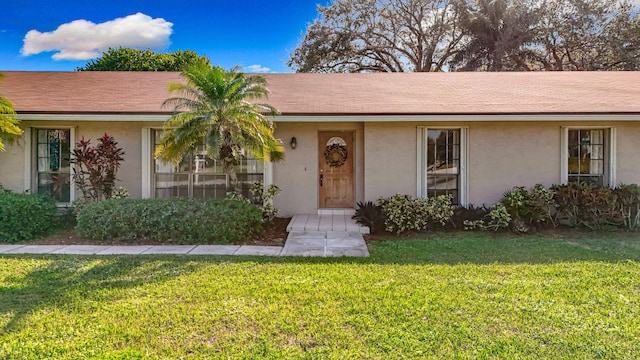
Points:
(336, 156)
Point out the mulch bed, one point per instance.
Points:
(273, 235)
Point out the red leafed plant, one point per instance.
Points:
(95, 168)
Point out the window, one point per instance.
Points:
(442, 163)
(199, 176)
(588, 156)
(52, 163)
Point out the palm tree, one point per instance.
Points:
(9, 130)
(217, 108)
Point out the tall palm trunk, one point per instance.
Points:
(230, 170)
(228, 159)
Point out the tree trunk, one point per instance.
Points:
(230, 170)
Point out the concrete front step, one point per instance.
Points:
(349, 212)
(325, 244)
(312, 222)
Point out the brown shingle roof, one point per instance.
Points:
(343, 94)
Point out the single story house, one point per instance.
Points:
(348, 137)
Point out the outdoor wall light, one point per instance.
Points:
(293, 142)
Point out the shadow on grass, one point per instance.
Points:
(58, 281)
(61, 281)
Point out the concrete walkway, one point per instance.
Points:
(309, 235)
(143, 250)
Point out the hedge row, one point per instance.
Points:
(171, 220)
(25, 216)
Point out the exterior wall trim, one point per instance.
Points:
(459, 118)
(146, 163)
(93, 117)
(27, 158)
(348, 118)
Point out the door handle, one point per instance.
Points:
(321, 178)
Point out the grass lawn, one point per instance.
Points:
(454, 295)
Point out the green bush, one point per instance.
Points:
(405, 213)
(497, 218)
(370, 215)
(263, 197)
(528, 207)
(26, 216)
(172, 220)
(470, 214)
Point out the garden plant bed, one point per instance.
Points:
(274, 234)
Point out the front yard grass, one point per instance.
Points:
(452, 295)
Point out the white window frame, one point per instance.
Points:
(610, 152)
(147, 164)
(29, 164)
(421, 179)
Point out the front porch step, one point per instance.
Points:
(314, 222)
(342, 211)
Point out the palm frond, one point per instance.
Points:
(9, 130)
(218, 108)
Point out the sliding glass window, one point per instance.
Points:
(201, 177)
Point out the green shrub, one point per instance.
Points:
(171, 220)
(370, 215)
(120, 193)
(467, 214)
(263, 198)
(528, 207)
(498, 218)
(405, 213)
(26, 216)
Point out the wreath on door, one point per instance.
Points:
(335, 155)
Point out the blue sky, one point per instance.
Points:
(62, 35)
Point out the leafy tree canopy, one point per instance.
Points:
(127, 59)
(470, 35)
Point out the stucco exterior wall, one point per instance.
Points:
(390, 159)
(501, 154)
(628, 153)
(127, 134)
(12, 166)
(298, 174)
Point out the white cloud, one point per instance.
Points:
(258, 68)
(82, 39)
